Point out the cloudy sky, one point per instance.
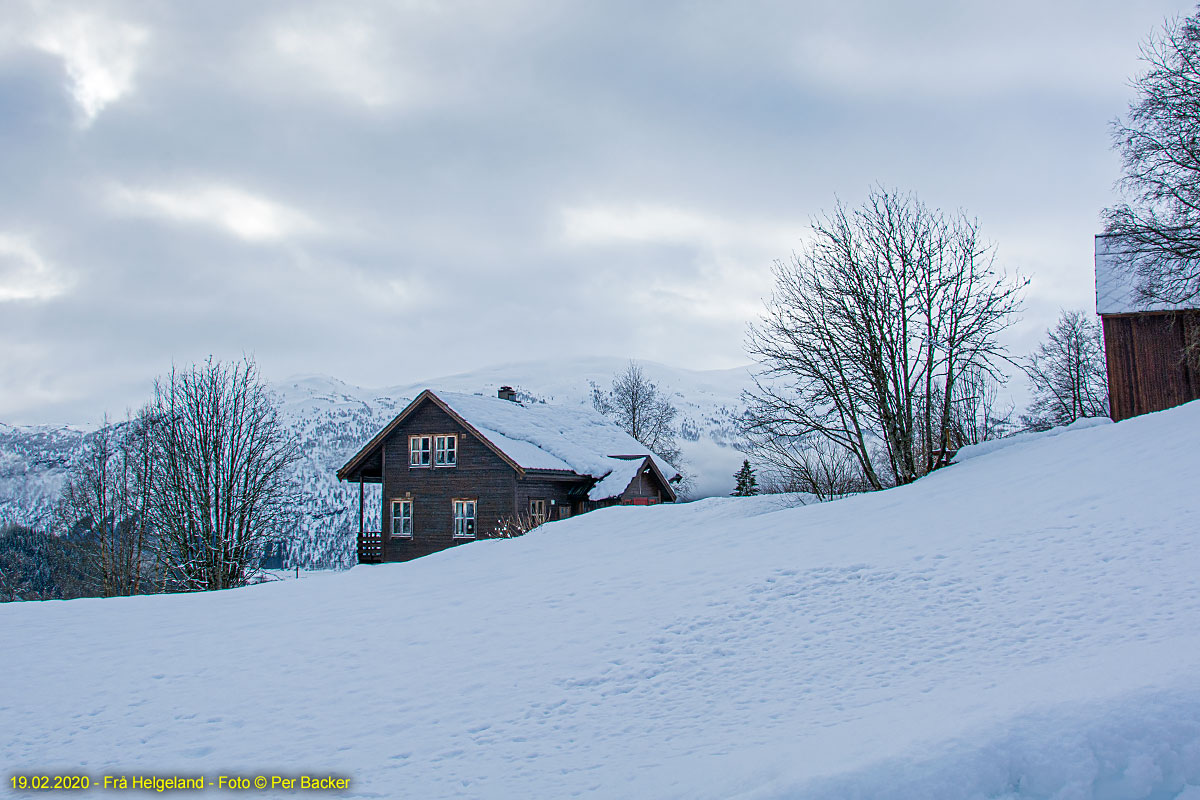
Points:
(397, 190)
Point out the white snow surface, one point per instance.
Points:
(992, 445)
(624, 470)
(1116, 283)
(1024, 624)
(550, 436)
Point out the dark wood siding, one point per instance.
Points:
(1147, 365)
(554, 490)
(480, 475)
(644, 487)
(500, 488)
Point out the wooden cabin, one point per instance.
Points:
(1144, 343)
(456, 468)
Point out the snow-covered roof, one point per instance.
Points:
(624, 470)
(1116, 283)
(547, 436)
(540, 436)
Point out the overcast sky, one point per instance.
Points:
(397, 190)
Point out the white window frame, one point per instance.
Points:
(538, 510)
(398, 532)
(416, 451)
(441, 451)
(464, 523)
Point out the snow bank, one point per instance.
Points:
(1024, 625)
(1146, 745)
(983, 448)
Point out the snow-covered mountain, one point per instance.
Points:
(34, 461)
(334, 419)
(1022, 624)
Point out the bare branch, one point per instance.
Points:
(867, 336)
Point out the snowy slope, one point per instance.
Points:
(333, 419)
(34, 461)
(1025, 623)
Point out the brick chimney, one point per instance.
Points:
(507, 393)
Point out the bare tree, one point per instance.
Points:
(1068, 373)
(812, 466)
(976, 412)
(871, 329)
(1159, 229)
(107, 499)
(638, 406)
(221, 456)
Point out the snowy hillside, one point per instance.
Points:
(34, 462)
(1025, 623)
(333, 420)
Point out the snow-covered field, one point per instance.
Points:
(1025, 623)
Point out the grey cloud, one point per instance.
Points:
(381, 192)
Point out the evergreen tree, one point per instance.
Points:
(747, 484)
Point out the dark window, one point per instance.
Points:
(419, 450)
(445, 451)
(402, 519)
(464, 519)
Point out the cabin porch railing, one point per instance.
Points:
(370, 547)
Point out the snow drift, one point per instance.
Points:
(1025, 623)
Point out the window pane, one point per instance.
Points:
(402, 518)
(445, 450)
(464, 518)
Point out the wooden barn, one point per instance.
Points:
(458, 467)
(1144, 344)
